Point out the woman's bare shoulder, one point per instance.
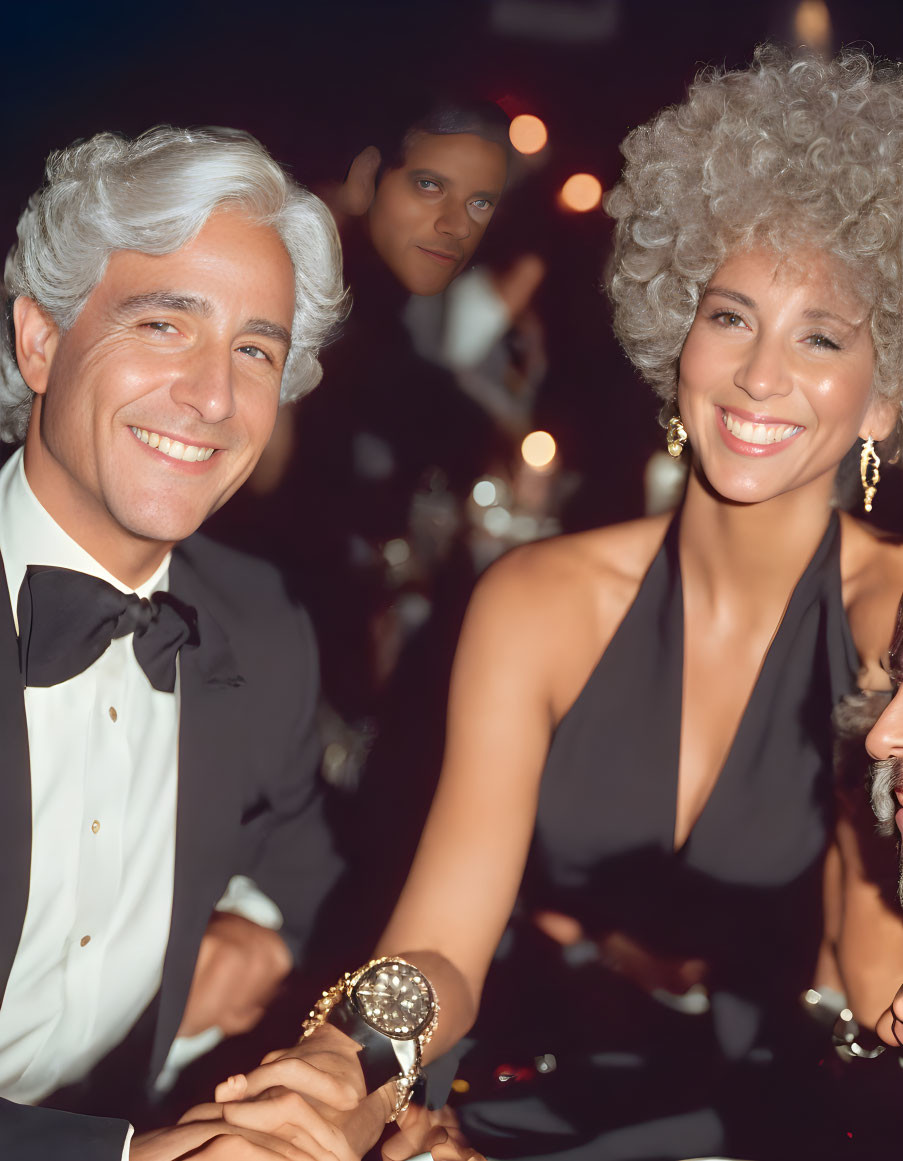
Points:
(872, 570)
(602, 568)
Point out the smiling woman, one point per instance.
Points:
(639, 722)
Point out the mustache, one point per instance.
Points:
(884, 777)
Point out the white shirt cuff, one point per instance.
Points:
(128, 1143)
(243, 897)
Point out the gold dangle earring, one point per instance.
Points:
(676, 437)
(869, 463)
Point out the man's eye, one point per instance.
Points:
(254, 352)
(160, 327)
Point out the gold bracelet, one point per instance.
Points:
(404, 1090)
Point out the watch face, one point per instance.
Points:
(395, 999)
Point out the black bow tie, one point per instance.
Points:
(67, 619)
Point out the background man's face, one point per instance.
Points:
(161, 397)
(428, 216)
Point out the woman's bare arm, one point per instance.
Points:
(471, 856)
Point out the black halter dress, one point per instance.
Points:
(622, 1073)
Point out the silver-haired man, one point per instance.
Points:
(156, 691)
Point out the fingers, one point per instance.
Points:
(433, 1132)
(288, 1116)
(205, 1112)
(251, 1146)
(233, 1088)
(215, 1141)
(455, 1148)
(341, 1092)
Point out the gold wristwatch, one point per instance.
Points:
(389, 1007)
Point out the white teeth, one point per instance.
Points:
(758, 433)
(188, 452)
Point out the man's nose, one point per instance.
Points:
(206, 386)
(885, 738)
(455, 222)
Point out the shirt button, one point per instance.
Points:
(95, 826)
(113, 714)
(85, 940)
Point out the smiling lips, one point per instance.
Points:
(760, 434)
(439, 255)
(173, 448)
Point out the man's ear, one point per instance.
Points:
(359, 187)
(37, 336)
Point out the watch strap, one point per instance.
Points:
(381, 1058)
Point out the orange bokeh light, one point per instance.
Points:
(581, 192)
(527, 133)
(538, 449)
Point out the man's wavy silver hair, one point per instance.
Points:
(154, 194)
(792, 151)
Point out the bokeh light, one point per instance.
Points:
(812, 25)
(484, 493)
(528, 134)
(397, 552)
(581, 192)
(538, 449)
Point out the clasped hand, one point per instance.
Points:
(309, 1103)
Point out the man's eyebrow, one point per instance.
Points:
(194, 304)
(167, 300)
(434, 175)
(268, 330)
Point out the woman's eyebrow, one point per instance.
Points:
(735, 295)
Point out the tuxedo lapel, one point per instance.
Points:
(211, 717)
(15, 792)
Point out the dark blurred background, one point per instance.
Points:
(308, 79)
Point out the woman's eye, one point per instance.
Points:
(822, 343)
(427, 185)
(728, 318)
(482, 204)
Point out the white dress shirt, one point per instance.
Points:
(104, 763)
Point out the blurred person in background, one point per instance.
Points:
(413, 211)
(638, 755)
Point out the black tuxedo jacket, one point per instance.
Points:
(248, 803)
